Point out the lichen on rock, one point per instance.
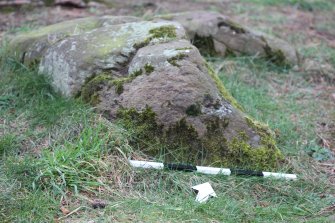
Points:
(77, 58)
(29, 47)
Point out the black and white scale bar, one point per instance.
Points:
(209, 170)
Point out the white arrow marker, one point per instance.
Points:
(205, 191)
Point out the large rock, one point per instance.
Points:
(29, 47)
(79, 57)
(214, 33)
(148, 76)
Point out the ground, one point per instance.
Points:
(59, 165)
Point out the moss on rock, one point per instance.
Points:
(275, 56)
(118, 84)
(193, 110)
(90, 90)
(225, 93)
(168, 31)
(239, 153)
(233, 26)
(184, 48)
(182, 143)
(205, 44)
(173, 60)
(148, 68)
(142, 125)
(136, 73)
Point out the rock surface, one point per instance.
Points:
(214, 33)
(29, 47)
(148, 76)
(108, 48)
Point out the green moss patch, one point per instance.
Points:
(89, 91)
(173, 60)
(148, 68)
(275, 56)
(184, 48)
(225, 93)
(161, 32)
(181, 143)
(233, 26)
(136, 73)
(118, 84)
(193, 110)
(168, 31)
(205, 44)
(49, 2)
(240, 154)
(7, 9)
(143, 127)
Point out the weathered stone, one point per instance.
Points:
(214, 33)
(6, 3)
(148, 76)
(29, 47)
(75, 59)
(182, 94)
(172, 88)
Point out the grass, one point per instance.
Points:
(85, 159)
(306, 5)
(56, 152)
(8, 143)
(17, 204)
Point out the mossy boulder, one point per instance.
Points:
(216, 34)
(149, 77)
(29, 47)
(189, 109)
(107, 49)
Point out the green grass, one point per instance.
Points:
(8, 143)
(58, 152)
(80, 144)
(306, 5)
(320, 52)
(17, 204)
(259, 102)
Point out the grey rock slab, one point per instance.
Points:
(73, 60)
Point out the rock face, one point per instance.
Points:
(108, 48)
(214, 33)
(150, 78)
(30, 47)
